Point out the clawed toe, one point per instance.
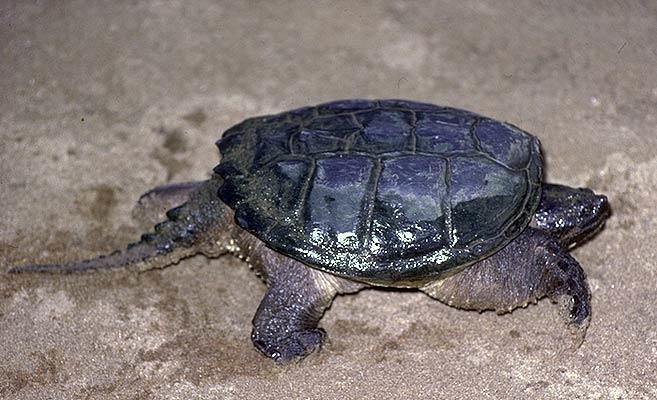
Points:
(295, 345)
(580, 311)
(577, 312)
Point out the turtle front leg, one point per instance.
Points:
(532, 266)
(285, 325)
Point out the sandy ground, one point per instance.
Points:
(99, 101)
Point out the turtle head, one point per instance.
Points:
(572, 215)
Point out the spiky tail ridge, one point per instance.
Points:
(188, 230)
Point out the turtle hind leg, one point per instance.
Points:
(201, 225)
(531, 267)
(285, 324)
(153, 205)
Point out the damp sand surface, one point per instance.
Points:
(103, 101)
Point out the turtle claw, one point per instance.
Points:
(577, 312)
(295, 346)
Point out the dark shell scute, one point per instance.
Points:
(449, 116)
(275, 119)
(288, 177)
(335, 201)
(231, 191)
(384, 131)
(228, 143)
(408, 105)
(339, 123)
(482, 190)
(504, 142)
(303, 114)
(311, 142)
(325, 134)
(409, 212)
(273, 141)
(280, 185)
(434, 135)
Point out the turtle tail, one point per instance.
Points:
(192, 228)
(135, 254)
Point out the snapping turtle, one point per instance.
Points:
(330, 199)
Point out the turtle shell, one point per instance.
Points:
(387, 192)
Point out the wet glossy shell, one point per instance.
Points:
(389, 192)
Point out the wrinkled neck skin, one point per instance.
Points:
(571, 215)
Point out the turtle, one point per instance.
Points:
(330, 199)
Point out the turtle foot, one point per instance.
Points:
(294, 346)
